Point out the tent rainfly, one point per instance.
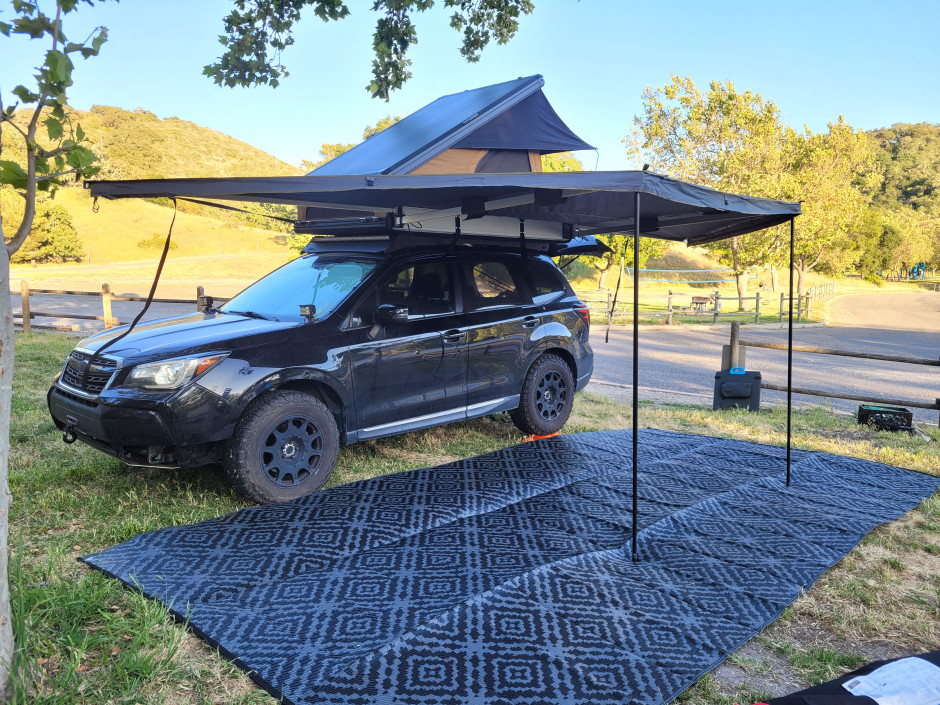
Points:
(403, 183)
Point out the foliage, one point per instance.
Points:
(258, 31)
(65, 153)
(53, 237)
(156, 242)
(331, 151)
(910, 155)
(725, 139)
(561, 161)
(296, 244)
(834, 173)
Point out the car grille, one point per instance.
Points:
(73, 374)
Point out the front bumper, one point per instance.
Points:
(186, 429)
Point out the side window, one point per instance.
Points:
(491, 284)
(546, 282)
(425, 289)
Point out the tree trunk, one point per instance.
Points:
(6, 397)
(800, 266)
(602, 282)
(741, 280)
(773, 279)
(740, 276)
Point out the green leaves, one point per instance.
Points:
(257, 31)
(53, 127)
(12, 174)
(25, 95)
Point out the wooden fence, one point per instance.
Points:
(732, 357)
(711, 304)
(28, 314)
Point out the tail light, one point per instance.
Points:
(583, 311)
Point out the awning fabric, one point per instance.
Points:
(584, 202)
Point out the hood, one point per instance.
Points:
(189, 333)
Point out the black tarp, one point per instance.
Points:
(588, 202)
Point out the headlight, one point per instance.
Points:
(170, 374)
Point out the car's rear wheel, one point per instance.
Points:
(547, 397)
(285, 446)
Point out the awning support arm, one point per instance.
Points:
(790, 351)
(636, 362)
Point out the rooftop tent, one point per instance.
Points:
(481, 130)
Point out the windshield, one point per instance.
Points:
(322, 281)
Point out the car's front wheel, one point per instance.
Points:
(285, 446)
(547, 397)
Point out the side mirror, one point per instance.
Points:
(390, 313)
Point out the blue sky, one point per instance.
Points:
(875, 63)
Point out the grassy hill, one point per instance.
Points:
(136, 145)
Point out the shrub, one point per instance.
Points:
(155, 242)
(52, 239)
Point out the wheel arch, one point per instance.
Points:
(322, 388)
(564, 355)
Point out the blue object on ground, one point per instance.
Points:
(504, 578)
(736, 371)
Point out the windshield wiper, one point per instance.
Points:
(253, 314)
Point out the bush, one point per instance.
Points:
(874, 279)
(52, 239)
(155, 242)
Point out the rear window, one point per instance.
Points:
(545, 280)
(491, 284)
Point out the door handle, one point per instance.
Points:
(453, 336)
(530, 322)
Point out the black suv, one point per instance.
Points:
(352, 341)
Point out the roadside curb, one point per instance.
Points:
(723, 326)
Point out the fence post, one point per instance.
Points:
(799, 307)
(809, 303)
(200, 299)
(669, 308)
(734, 355)
(757, 307)
(717, 306)
(106, 304)
(781, 306)
(27, 316)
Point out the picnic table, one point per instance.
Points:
(700, 302)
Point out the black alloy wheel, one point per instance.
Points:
(547, 397)
(285, 446)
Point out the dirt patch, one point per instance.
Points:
(758, 668)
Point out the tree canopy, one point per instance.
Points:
(257, 32)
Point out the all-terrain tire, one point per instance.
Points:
(285, 446)
(547, 397)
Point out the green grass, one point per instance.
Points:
(84, 639)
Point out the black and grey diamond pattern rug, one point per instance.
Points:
(507, 578)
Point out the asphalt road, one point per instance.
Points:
(679, 364)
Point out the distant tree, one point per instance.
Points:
(910, 155)
(63, 155)
(561, 161)
(257, 31)
(53, 237)
(331, 151)
(382, 124)
(834, 173)
(726, 139)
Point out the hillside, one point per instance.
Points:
(137, 145)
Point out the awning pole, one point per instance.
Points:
(790, 352)
(636, 359)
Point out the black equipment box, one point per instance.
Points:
(887, 418)
(737, 390)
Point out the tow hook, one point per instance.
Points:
(68, 436)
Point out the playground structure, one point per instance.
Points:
(917, 272)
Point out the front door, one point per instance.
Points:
(409, 374)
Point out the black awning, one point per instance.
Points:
(581, 202)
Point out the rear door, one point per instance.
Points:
(502, 322)
(409, 374)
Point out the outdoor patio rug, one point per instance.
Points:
(507, 578)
